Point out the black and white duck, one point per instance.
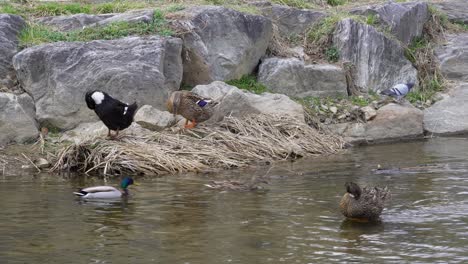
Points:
(115, 114)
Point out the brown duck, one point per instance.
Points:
(363, 204)
(191, 106)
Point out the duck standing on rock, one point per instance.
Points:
(113, 113)
(106, 192)
(191, 106)
(363, 204)
(398, 91)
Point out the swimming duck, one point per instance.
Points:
(191, 106)
(114, 114)
(105, 192)
(363, 204)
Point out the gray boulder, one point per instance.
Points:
(453, 57)
(220, 43)
(456, 10)
(17, 122)
(80, 21)
(449, 115)
(292, 77)
(57, 75)
(91, 130)
(235, 102)
(405, 20)
(10, 26)
(393, 122)
(72, 22)
(153, 119)
(290, 20)
(379, 61)
(133, 16)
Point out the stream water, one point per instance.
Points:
(294, 219)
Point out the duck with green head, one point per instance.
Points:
(363, 204)
(191, 106)
(106, 192)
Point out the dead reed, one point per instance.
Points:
(231, 143)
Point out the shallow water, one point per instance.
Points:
(295, 219)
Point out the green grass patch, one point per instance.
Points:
(248, 83)
(41, 9)
(332, 54)
(302, 4)
(336, 2)
(36, 34)
(372, 19)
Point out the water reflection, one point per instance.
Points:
(176, 219)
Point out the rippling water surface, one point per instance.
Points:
(295, 219)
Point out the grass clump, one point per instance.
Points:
(36, 34)
(248, 83)
(301, 4)
(332, 54)
(336, 2)
(232, 143)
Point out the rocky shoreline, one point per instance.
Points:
(43, 85)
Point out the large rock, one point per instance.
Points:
(449, 115)
(290, 20)
(393, 122)
(17, 123)
(453, 57)
(293, 78)
(456, 10)
(220, 43)
(91, 130)
(379, 61)
(80, 21)
(405, 20)
(57, 75)
(154, 119)
(10, 26)
(133, 16)
(72, 22)
(235, 102)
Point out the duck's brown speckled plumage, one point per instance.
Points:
(184, 103)
(363, 203)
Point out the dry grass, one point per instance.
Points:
(231, 143)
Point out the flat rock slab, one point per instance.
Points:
(17, 123)
(453, 57)
(292, 77)
(57, 75)
(235, 102)
(456, 10)
(220, 43)
(153, 119)
(449, 115)
(290, 21)
(81, 21)
(392, 122)
(10, 26)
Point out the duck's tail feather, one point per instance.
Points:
(80, 193)
(132, 109)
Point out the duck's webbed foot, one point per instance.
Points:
(191, 125)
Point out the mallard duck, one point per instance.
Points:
(105, 192)
(114, 114)
(363, 204)
(191, 106)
